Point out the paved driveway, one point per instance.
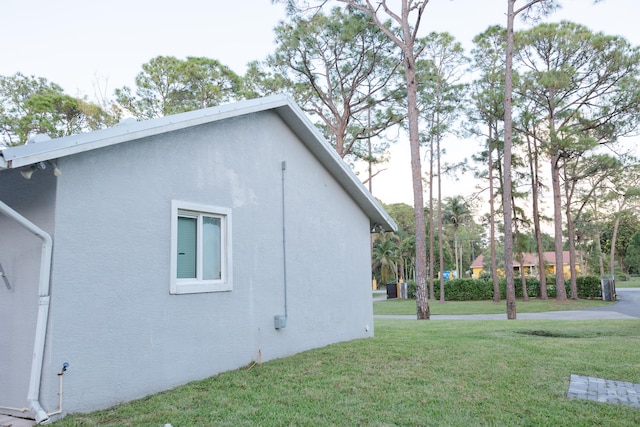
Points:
(628, 302)
(627, 307)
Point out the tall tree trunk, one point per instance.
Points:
(370, 158)
(455, 253)
(422, 303)
(614, 237)
(492, 223)
(440, 242)
(571, 238)
(395, 272)
(506, 186)
(460, 252)
(406, 42)
(599, 235)
(561, 292)
(432, 258)
(535, 186)
(523, 279)
(600, 259)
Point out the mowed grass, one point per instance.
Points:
(412, 373)
(633, 282)
(534, 305)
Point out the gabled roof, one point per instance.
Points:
(529, 259)
(291, 114)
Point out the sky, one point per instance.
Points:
(91, 48)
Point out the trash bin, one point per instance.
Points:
(404, 293)
(608, 288)
(392, 291)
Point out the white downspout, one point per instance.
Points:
(33, 396)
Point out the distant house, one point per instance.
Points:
(530, 264)
(154, 253)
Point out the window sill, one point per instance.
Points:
(197, 287)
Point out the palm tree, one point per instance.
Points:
(408, 252)
(456, 212)
(386, 256)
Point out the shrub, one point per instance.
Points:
(465, 290)
(482, 289)
(533, 287)
(411, 289)
(589, 287)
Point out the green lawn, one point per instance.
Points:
(413, 373)
(633, 282)
(399, 306)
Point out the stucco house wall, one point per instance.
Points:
(112, 317)
(20, 253)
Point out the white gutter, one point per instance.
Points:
(33, 396)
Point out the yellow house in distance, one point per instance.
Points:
(530, 265)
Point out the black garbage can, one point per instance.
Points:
(608, 288)
(392, 290)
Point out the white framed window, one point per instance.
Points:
(200, 248)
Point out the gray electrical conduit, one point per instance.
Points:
(284, 243)
(33, 396)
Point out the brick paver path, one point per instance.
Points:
(601, 390)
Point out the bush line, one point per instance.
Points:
(481, 289)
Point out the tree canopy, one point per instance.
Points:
(341, 69)
(168, 85)
(32, 105)
(542, 108)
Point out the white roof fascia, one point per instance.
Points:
(23, 155)
(287, 109)
(328, 156)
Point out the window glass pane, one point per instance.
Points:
(187, 242)
(211, 248)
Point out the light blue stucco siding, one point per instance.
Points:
(112, 317)
(20, 253)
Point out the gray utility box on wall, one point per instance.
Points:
(280, 321)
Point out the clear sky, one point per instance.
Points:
(80, 43)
